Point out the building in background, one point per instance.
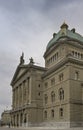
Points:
(6, 118)
(51, 95)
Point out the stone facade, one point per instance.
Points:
(51, 95)
(6, 118)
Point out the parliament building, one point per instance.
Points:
(51, 95)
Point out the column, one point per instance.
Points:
(27, 89)
(18, 96)
(19, 119)
(15, 120)
(22, 94)
(27, 120)
(15, 98)
(26, 92)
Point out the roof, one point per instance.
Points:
(64, 32)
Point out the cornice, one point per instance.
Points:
(73, 42)
(61, 64)
(28, 68)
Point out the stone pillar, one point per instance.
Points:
(22, 93)
(15, 120)
(18, 95)
(27, 120)
(15, 98)
(27, 90)
(21, 119)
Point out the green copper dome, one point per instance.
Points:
(64, 32)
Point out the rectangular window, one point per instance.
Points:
(61, 76)
(76, 75)
(46, 98)
(46, 85)
(61, 112)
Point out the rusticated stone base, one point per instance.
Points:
(57, 124)
(76, 124)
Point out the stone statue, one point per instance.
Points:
(22, 59)
(31, 60)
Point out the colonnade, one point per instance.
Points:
(19, 119)
(21, 94)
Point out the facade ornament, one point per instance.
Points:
(22, 59)
(31, 60)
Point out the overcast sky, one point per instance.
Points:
(27, 26)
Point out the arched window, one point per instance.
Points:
(76, 54)
(52, 113)
(46, 98)
(61, 112)
(72, 53)
(61, 94)
(52, 96)
(45, 114)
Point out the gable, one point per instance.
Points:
(21, 71)
(18, 73)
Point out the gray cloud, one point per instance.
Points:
(27, 25)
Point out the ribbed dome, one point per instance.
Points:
(64, 32)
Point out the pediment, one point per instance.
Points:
(21, 71)
(18, 73)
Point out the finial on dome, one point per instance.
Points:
(64, 25)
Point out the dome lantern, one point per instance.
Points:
(64, 25)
